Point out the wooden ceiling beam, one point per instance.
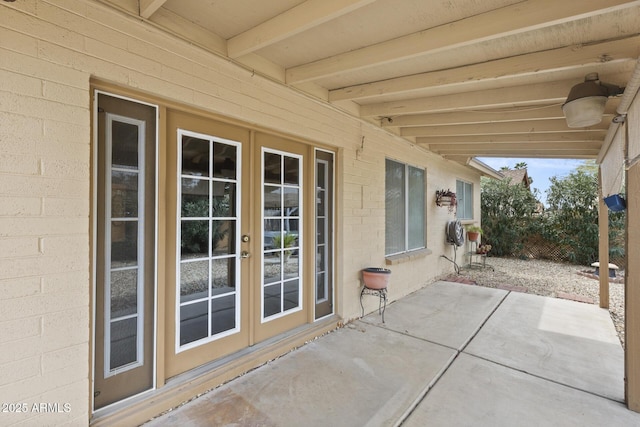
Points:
(294, 21)
(549, 112)
(578, 56)
(538, 155)
(525, 152)
(514, 19)
(510, 128)
(526, 95)
(546, 146)
(149, 7)
(522, 138)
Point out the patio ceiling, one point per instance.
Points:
(462, 78)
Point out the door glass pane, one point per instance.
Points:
(223, 235)
(124, 292)
(291, 294)
(194, 239)
(282, 197)
(210, 237)
(223, 314)
(320, 288)
(194, 320)
(272, 201)
(224, 164)
(272, 233)
(272, 267)
(124, 149)
(272, 300)
(194, 280)
(320, 259)
(223, 194)
(291, 232)
(124, 244)
(195, 197)
(291, 265)
(195, 156)
(320, 202)
(272, 168)
(291, 170)
(223, 272)
(291, 201)
(124, 194)
(320, 231)
(124, 338)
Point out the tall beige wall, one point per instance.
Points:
(49, 52)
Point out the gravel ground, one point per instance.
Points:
(548, 279)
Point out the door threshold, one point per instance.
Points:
(181, 388)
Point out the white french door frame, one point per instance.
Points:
(300, 187)
(238, 209)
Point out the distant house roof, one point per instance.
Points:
(518, 176)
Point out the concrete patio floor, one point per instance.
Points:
(448, 355)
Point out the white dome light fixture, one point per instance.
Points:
(586, 101)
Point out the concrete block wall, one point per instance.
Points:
(49, 52)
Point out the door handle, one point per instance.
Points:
(244, 254)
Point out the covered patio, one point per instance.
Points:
(115, 112)
(460, 79)
(448, 355)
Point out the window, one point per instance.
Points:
(464, 196)
(405, 208)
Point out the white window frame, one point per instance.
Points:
(108, 372)
(406, 208)
(467, 200)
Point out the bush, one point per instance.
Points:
(573, 215)
(508, 213)
(511, 219)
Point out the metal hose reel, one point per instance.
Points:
(455, 233)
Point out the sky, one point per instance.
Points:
(540, 170)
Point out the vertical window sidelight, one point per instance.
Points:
(125, 256)
(208, 264)
(324, 234)
(124, 252)
(405, 217)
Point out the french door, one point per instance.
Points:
(235, 267)
(210, 238)
(206, 198)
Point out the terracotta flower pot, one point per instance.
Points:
(472, 236)
(376, 278)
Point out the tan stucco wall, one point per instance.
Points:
(48, 56)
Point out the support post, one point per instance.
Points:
(603, 244)
(632, 290)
